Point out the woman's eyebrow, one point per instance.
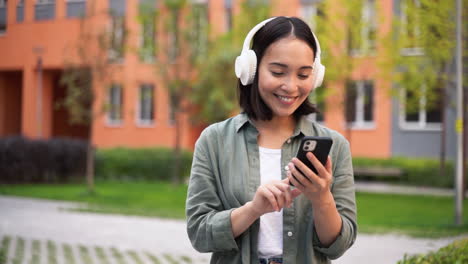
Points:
(286, 66)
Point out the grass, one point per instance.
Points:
(415, 215)
(422, 216)
(130, 198)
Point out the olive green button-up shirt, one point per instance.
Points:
(225, 175)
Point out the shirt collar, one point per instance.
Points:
(304, 126)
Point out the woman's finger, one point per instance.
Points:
(321, 170)
(270, 197)
(278, 195)
(302, 172)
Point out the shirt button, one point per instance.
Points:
(288, 141)
(286, 168)
(290, 234)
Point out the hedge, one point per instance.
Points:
(140, 164)
(416, 171)
(455, 253)
(24, 160)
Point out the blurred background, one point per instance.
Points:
(102, 101)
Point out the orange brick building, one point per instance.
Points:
(35, 41)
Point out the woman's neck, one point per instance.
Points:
(273, 133)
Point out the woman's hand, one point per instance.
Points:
(314, 186)
(273, 196)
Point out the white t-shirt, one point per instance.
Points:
(270, 237)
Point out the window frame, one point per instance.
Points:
(110, 121)
(146, 122)
(416, 50)
(112, 53)
(369, 22)
(359, 122)
(421, 124)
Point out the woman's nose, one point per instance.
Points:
(289, 84)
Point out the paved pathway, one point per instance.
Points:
(43, 220)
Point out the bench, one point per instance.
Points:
(378, 172)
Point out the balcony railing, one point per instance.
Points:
(44, 11)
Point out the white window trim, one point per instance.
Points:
(140, 122)
(360, 123)
(110, 122)
(412, 51)
(366, 16)
(421, 124)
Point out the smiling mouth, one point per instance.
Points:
(286, 99)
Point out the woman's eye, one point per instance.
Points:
(277, 73)
(303, 76)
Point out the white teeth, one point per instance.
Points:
(286, 99)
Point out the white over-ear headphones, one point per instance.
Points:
(246, 62)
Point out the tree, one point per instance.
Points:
(214, 91)
(422, 51)
(184, 37)
(86, 67)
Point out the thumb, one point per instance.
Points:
(285, 180)
(295, 193)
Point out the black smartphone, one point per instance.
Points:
(319, 146)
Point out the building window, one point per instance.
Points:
(3, 16)
(117, 39)
(309, 11)
(228, 15)
(417, 112)
(360, 104)
(76, 8)
(44, 10)
(147, 16)
(364, 40)
(228, 19)
(173, 41)
(115, 105)
(199, 32)
(410, 33)
(146, 105)
(20, 11)
(318, 98)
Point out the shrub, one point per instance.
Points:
(455, 253)
(25, 160)
(139, 164)
(417, 171)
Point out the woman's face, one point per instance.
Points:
(285, 75)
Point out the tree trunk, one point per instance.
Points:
(90, 162)
(177, 150)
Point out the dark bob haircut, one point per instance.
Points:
(276, 29)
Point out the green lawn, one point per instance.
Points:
(427, 216)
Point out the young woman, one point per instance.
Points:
(240, 204)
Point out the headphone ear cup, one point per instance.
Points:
(245, 66)
(319, 75)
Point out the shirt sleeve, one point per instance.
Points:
(208, 224)
(343, 191)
